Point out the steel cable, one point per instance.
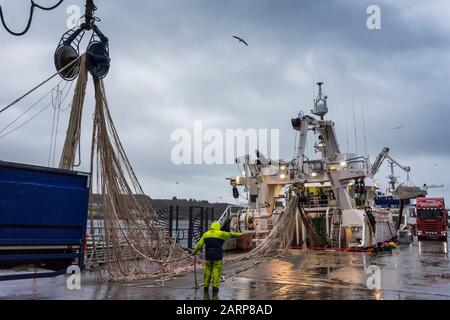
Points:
(30, 18)
(71, 64)
(35, 115)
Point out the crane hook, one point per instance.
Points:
(68, 50)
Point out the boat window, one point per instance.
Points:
(430, 214)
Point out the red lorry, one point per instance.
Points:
(432, 219)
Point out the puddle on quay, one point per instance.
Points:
(433, 247)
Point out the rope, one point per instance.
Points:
(35, 116)
(73, 133)
(57, 107)
(39, 85)
(30, 18)
(26, 122)
(55, 124)
(25, 112)
(161, 282)
(195, 272)
(51, 138)
(30, 108)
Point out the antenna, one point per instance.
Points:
(354, 122)
(364, 127)
(346, 129)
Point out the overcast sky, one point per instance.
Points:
(174, 62)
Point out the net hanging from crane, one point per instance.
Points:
(133, 243)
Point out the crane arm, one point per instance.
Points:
(379, 161)
(384, 154)
(404, 168)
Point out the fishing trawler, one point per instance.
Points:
(337, 191)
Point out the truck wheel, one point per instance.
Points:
(420, 238)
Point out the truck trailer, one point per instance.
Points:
(43, 218)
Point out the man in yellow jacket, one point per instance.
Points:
(213, 241)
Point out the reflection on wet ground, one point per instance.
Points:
(416, 271)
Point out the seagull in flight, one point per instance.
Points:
(398, 128)
(241, 40)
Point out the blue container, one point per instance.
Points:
(43, 216)
(389, 202)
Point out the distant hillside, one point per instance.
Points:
(183, 204)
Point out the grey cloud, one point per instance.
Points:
(175, 62)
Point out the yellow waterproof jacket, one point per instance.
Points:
(213, 241)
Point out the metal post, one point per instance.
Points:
(297, 229)
(191, 227)
(304, 237)
(171, 221)
(201, 221)
(206, 219)
(212, 214)
(400, 214)
(327, 222)
(177, 214)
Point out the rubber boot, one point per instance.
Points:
(215, 290)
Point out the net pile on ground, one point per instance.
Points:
(133, 243)
(279, 239)
(281, 236)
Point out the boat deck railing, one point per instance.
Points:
(231, 210)
(316, 201)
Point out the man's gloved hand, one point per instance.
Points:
(195, 252)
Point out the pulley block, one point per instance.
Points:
(98, 59)
(97, 53)
(68, 51)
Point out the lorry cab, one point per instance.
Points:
(432, 219)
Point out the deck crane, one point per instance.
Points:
(384, 154)
(337, 168)
(432, 186)
(402, 192)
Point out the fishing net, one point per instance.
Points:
(279, 239)
(73, 134)
(126, 234)
(124, 228)
(281, 236)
